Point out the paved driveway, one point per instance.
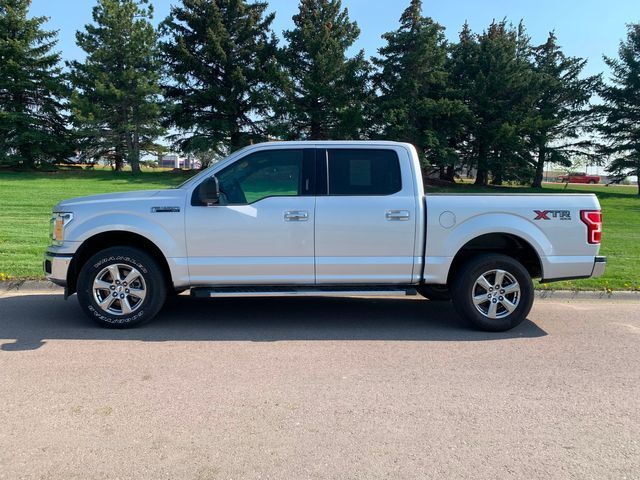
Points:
(318, 388)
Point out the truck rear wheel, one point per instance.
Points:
(121, 287)
(494, 292)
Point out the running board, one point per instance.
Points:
(333, 291)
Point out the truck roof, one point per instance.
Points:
(332, 142)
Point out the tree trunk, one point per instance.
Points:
(315, 119)
(537, 179)
(316, 129)
(28, 162)
(481, 173)
(447, 173)
(118, 159)
(130, 154)
(235, 139)
(451, 173)
(134, 153)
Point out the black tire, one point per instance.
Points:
(435, 293)
(133, 310)
(174, 293)
(465, 287)
(592, 182)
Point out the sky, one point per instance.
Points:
(584, 28)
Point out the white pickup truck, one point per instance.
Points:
(322, 219)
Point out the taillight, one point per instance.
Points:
(593, 221)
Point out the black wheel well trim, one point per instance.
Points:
(503, 243)
(115, 238)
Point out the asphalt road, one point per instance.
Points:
(318, 388)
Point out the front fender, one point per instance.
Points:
(168, 236)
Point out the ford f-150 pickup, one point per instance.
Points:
(324, 219)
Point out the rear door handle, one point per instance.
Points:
(397, 215)
(296, 216)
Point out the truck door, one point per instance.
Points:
(261, 232)
(365, 216)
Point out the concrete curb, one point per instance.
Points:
(30, 285)
(586, 295)
(45, 286)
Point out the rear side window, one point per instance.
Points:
(363, 172)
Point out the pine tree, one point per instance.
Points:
(32, 90)
(415, 102)
(462, 67)
(562, 107)
(501, 100)
(620, 111)
(326, 92)
(222, 72)
(117, 105)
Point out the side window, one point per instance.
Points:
(260, 175)
(363, 172)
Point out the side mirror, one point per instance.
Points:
(209, 191)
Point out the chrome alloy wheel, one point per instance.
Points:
(496, 294)
(119, 289)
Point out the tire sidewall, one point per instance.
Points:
(154, 282)
(462, 294)
(435, 293)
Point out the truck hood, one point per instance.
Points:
(114, 198)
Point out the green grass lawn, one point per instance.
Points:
(26, 200)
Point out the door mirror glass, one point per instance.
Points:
(209, 191)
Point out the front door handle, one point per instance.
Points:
(397, 215)
(296, 216)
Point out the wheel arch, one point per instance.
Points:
(104, 240)
(508, 244)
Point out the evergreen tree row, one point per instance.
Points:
(214, 77)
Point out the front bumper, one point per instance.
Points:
(599, 264)
(56, 267)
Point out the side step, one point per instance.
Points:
(332, 291)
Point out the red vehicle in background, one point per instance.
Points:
(579, 177)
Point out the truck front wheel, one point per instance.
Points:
(121, 287)
(435, 293)
(493, 291)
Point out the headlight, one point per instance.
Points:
(59, 220)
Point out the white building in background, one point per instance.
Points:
(173, 160)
